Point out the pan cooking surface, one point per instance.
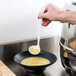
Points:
(35, 61)
(43, 54)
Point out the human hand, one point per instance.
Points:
(51, 13)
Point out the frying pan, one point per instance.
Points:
(35, 69)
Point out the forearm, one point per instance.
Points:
(68, 16)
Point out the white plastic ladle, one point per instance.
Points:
(35, 49)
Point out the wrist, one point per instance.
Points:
(67, 16)
(63, 15)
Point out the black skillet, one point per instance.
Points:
(35, 69)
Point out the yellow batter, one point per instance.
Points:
(34, 51)
(35, 61)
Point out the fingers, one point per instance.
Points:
(45, 17)
(42, 15)
(45, 22)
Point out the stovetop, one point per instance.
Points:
(43, 74)
(55, 69)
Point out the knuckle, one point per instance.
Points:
(49, 4)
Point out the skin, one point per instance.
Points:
(53, 13)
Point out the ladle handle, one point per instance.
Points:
(38, 42)
(39, 28)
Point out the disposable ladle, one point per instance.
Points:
(35, 49)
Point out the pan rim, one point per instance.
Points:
(42, 51)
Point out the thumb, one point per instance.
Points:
(42, 15)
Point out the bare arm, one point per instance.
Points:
(52, 13)
(68, 16)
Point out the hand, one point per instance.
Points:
(51, 13)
